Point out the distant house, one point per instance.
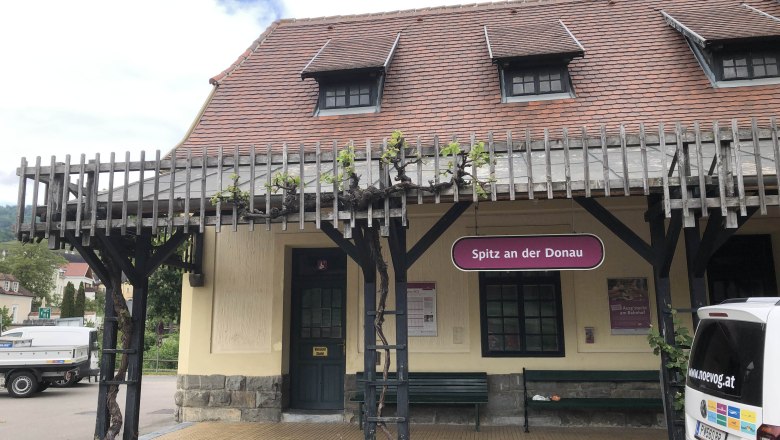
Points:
(76, 273)
(16, 298)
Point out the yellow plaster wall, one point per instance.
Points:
(238, 322)
(23, 303)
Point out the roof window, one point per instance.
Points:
(351, 74)
(533, 60)
(736, 46)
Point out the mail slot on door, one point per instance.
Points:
(319, 351)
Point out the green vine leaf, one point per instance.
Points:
(677, 354)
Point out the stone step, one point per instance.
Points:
(313, 417)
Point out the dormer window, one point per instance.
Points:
(533, 60)
(351, 74)
(536, 81)
(743, 54)
(746, 65)
(347, 94)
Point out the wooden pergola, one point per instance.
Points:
(130, 217)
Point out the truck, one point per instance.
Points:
(64, 336)
(26, 369)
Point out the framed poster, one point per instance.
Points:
(629, 306)
(421, 307)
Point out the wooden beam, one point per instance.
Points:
(340, 241)
(196, 276)
(619, 228)
(164, 251)
(113, 247)
(672, 236)
(94, 262)
(715, 235)
(436, 231)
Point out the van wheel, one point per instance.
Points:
(23, 384)
(64, 383)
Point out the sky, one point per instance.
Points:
(84, 76)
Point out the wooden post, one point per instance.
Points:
(143, 248)
(397, 240)
(663, 250)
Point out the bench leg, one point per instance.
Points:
(360, 416)
(476, 412)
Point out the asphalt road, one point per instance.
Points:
(69, 413)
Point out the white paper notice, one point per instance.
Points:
(421, 306)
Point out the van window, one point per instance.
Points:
(727, 360)
(14, 335)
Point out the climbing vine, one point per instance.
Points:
(677, 354)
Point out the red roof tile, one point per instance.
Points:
(77, 270)
(347, 53)
(548, 38)
(734, 21)
(637, 69)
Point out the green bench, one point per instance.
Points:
(591, 403)
(434, 389)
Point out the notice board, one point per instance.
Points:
(421, 307)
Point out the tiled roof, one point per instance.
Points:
(8, 277)
(349, 53)
(707, 25)
(442, 81)
(552, 38)
(77, 270)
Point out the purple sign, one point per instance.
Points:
(528, 252)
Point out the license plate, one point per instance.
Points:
(707, 432)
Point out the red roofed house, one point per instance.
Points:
(572, 171)
(15, 298)
(75, 273)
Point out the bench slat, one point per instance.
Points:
(591, 376)
(599, 403)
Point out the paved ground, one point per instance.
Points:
(69, 413)
(308, 431)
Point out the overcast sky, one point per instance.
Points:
(100, 76)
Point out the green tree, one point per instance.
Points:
(34, 265)
(78, 306)
(164, 300)
(7, 220)
(5, 318)
(68, 307)
(99, 303)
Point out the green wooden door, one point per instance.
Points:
(318, 329)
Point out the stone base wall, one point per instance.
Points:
(229, 398)
(505, 405)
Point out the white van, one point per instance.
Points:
(733, 385)
(56, 336)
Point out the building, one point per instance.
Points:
(75, 273)
(15, 298)
(640, 123)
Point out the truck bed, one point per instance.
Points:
(51, 356)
